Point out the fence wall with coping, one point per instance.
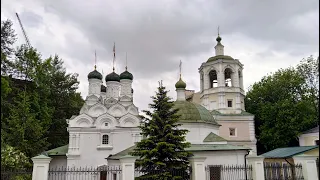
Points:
(305, 168)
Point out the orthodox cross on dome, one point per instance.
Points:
(114, 55)
(218, 38)
(95, 59)
(126, 62)
(180, 67)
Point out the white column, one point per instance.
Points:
(309, 167)
(257, 166)
(40, 167)
(181, 96)
(127, 166)
(198, 168)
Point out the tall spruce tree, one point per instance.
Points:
(162, 152)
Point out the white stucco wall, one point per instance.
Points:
(58, 162)
(308, 139)
(199, 131)
(93, 153)
(222, 157)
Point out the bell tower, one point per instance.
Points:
(221, 82)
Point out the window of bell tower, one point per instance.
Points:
(213, 78)
(227, 77)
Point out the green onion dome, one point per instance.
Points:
(126, 75)
(181, 84)
(95, 75)
(193, 113)
(113, 77)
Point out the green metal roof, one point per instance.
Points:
(192, 148)
(192, 112)
(215, 147)
(288, 151)
(59, 151)
(212, 137)
(214, 58)
(243, 113)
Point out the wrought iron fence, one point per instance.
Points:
(184, 174)
(277, 171)
(317, 163)
(229, 172)
(87, 173)
(9, 174)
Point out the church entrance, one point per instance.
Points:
(109, 172)
(103, 175)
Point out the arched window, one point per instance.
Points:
(227, 77)
(213, 78)
(105, 139)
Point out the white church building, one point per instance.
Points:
(107, 125)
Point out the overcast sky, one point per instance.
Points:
(263, 35)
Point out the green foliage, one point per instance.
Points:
(8, 37)
(283, 105)
(37, 96)
(13, 159)
(64, 99)
(25, 128)
(163, 148)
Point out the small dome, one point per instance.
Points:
(218, 38)
(113, 77)
(95, 75)
(181, 84)
(103, 88)
(214, 58)
(192, 112)
(126, 75)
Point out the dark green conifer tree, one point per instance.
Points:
(162, 152)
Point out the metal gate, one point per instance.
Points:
(229, 172)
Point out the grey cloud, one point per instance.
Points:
(156, 34)
(30, 19)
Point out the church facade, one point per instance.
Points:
(106, 128)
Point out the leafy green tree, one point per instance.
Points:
(23, 129)
(37, 96)
(283, 108)
(8, 38)
(309, 69)
(64, 100)
(163, 149)
(13, 159)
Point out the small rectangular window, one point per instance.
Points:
(229, 103)
(105, 139)
(232, 131)
(106, 124)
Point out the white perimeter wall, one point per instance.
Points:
(58, 162)
(222, 157)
